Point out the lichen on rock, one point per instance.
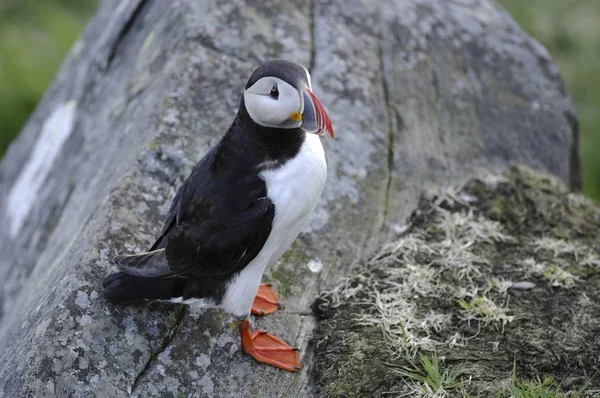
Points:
(500, 272)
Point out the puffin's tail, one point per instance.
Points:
(121, 287)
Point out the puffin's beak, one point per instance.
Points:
(314, 117)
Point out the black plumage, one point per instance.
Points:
(292, 73)
(220, 217)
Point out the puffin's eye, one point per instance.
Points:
(274, 92)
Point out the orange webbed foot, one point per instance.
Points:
(266, 348)
(266, 301)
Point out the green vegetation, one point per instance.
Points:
(571, 32)
(35, 36)
(483, 309)
(428, 379)
(535, 388)
(538, 387)
(475, 285)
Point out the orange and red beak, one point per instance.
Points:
(314, 117)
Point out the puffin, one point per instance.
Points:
(240, 209)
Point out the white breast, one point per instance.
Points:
(295, 189)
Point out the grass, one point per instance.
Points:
(428, 379)
(540, 387)
(534, 388)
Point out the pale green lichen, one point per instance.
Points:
(557, 276)
(483, 309)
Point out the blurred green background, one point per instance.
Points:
(570, 30)
(35, 35)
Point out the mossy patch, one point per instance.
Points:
(501, 271)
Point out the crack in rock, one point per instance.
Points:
(162, 347)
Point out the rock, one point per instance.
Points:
(422, 93)
(442, 291)
(523, 285)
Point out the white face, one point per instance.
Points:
(271, 102)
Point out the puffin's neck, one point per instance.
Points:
(259, 144)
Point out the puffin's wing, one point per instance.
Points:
(220, 247)
(182, 199)
(172, 218)
(149, 264)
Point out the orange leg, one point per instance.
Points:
(266, 301)
(266, 348)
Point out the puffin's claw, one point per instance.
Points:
(266, 301)
(266, 348)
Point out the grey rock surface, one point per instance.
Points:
(420, 92)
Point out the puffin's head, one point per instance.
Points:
(278, 94)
